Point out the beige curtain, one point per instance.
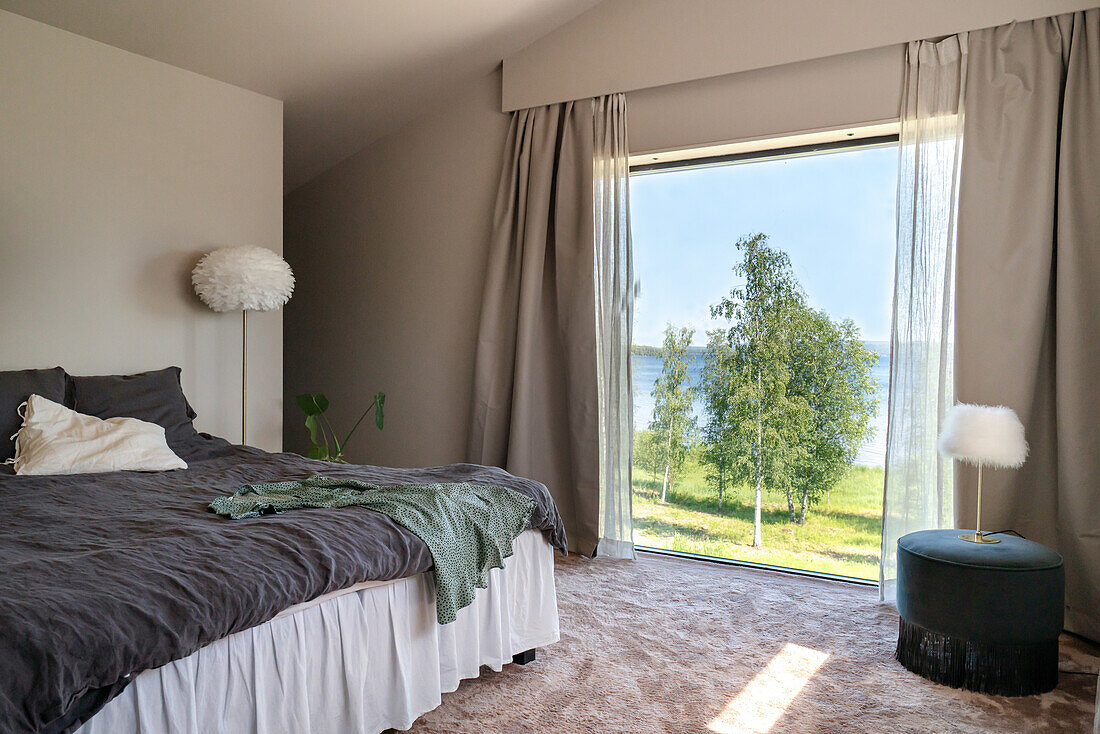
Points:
(535, 400)
(1028, 285)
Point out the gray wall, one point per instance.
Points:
(390, 249)
(116, 173)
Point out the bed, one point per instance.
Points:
(127, 606)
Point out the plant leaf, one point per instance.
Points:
(311, 424)
(312, 403)
(318, 452)
(305, 403)
(379, 417)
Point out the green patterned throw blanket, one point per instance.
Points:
(468, 528)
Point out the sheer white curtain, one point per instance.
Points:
(614, 279)
(918, 493)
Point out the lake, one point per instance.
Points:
(647, 369)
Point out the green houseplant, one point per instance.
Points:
(325, 445)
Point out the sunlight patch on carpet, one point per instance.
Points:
(760, 704)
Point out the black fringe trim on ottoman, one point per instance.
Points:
(1005, 670)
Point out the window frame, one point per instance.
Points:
(764, 153)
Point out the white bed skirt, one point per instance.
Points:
(363, 661)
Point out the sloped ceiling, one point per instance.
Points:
(348, 71)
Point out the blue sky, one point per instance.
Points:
(832, 213)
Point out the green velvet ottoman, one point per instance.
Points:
(981, 617)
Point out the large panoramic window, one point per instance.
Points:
(761, 355)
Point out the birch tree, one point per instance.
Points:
(673, 421)
(717, 386)
(789, 392)
(764, 420)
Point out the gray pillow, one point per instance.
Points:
(156, 397)
(15, 387)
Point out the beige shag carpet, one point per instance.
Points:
(669, 645)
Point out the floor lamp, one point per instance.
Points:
(245, 279)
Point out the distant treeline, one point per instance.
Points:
(643, 350)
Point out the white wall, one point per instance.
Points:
(623, 45)
(116, 173)
(390, 249)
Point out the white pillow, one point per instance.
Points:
(56, 440)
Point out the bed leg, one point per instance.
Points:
(522, 658)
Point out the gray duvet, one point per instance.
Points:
(105, 575)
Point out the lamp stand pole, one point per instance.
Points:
(976, 536)
(978, 516)
(244, 375)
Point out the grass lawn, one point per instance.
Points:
(841, 534)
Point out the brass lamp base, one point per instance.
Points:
(978, 538)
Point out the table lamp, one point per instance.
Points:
(983, 435)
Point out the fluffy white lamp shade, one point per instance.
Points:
(983, 434)
(243, 278)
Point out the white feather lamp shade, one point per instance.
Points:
(983, 434)
(243, 278)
